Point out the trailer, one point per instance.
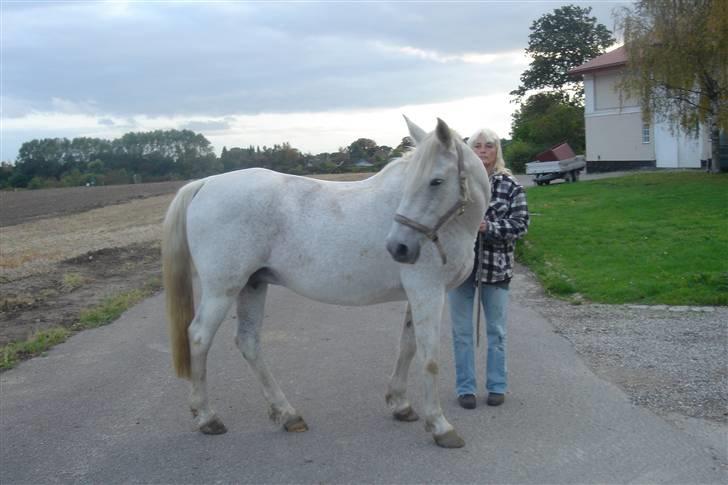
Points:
(559, 162)
(544, 172)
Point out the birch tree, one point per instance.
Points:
(677, 64)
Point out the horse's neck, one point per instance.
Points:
(392, 175)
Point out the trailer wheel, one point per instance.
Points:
(575, 175)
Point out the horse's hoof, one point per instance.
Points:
(407, 414)
(295, 424)
(214, 426)
(449, 439)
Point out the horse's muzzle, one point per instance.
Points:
(403, 253)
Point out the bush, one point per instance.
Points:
(518, 153)
(42, 183)
(114, 177)
(18, 179)
(72, 179)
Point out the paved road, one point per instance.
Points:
(104, 408)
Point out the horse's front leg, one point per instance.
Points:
(397, 390)
(427, 313)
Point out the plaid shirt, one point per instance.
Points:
(507, 218)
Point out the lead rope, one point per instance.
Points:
(479, 285)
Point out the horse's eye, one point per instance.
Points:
(434, 182)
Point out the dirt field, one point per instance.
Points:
(63, 250)
(27, 205)
(53, 268)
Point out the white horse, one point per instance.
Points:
(329, 241)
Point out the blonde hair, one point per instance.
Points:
(490, 136)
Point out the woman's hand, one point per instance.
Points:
(483, 226)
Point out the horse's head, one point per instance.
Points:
(437, 189)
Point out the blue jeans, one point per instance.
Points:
(494, 298)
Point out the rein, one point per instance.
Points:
(457, 209)
(479, 283)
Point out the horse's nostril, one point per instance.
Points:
(402, 250)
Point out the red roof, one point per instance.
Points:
(615, 58)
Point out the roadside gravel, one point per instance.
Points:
(673, 360)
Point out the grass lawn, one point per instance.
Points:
(654, 238)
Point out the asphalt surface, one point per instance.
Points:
(105, 408)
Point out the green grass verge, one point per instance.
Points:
(109, 309)
(653, 238)
(38, 343)
(105, 312)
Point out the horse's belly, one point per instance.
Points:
(350, 288)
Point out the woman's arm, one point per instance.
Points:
(512, 224)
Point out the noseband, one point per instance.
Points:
(457, 209)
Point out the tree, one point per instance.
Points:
(545, 119)
(362, 149)
(558, 42)
(41, 159)
(6, 171)
(677, 63)
(404, 146)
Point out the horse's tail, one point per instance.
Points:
(177, 276)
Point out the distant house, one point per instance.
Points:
(616, 136)
(362, 163)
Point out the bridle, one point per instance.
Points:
(455, 210)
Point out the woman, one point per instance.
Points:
(505, 221)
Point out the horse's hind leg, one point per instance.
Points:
(251, 302)
(397, 390)
(209, 316)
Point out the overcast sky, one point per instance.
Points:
(318, 75)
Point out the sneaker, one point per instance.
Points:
(495, 399)
(467, 401)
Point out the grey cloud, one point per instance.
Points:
(13, 107)
(207, 125)
(211, 60)
(221, 59)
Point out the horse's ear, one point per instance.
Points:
(416, 133)
(443, 133)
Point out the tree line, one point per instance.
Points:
(172, 155)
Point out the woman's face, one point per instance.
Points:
(487, 151)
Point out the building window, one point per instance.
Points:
(645, 132)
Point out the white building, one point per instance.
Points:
(616, 136)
